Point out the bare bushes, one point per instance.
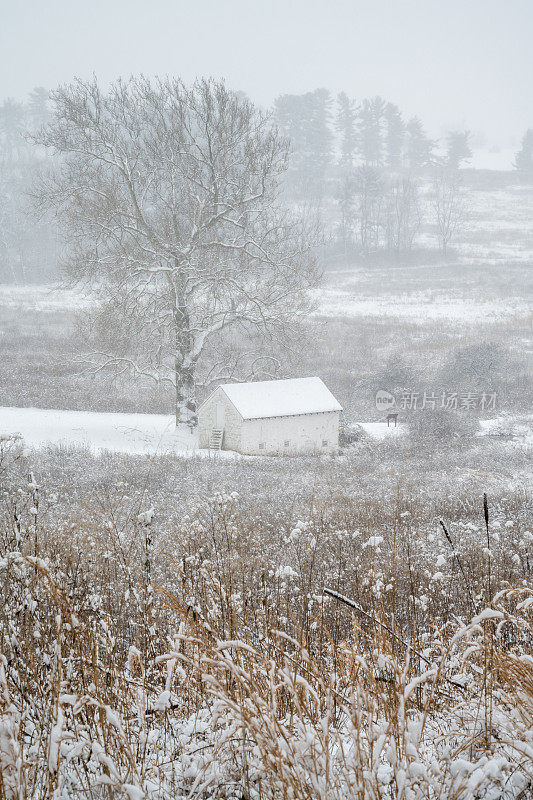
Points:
(351, 434)
(441, 427)
(11, 450)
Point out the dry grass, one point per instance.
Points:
(207, 662)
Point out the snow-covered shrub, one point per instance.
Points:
(11, 451)
(351, 434)
(431, 428)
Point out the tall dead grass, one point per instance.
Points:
(210, 663)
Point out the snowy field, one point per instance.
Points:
(342, 295)
(518, 430)
(495, 158)
(135, 434)
(485, 282)
(156, 434)
(421, 308)
(43, 297)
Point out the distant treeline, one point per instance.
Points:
(28, 244)
(343, 133)
(363, 157)
(328, 134)
(363, 167)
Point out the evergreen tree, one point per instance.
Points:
(28, 247)
(371, 119)
(290, 114)
(12, 126)
(39, 108)
(419, 146)
(458, 148)
(524, 157)
(319, 135)
(395, 138)
(345, 125)
(305, 120)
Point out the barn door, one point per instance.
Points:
(220, 417)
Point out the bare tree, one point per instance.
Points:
(346, 200)
(169, 196)
(449, 206)
(403, 217)
(370, 193)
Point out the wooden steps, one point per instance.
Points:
(215, 439)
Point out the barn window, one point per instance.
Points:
(286, 443)
(261, 445)
(324, 442)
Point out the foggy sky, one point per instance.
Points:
(465, 63)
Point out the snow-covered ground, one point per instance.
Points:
(137, 434)
(494, 158)
(380, 430)
(419, 309)
(148, 434)
(518, 429)
(42, 297)
(342, 295)
(123, 433)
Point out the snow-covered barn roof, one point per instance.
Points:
(283, 398)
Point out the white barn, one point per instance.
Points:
(299, 415)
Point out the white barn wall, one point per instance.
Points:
(305, 432)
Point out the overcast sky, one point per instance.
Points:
(466, 63)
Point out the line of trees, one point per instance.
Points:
(28, 246)
(329, 137)
(365, 156)
(370, 161)
(377, 211)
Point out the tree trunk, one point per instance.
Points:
(186, 396)
(184, 365)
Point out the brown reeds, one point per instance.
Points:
(129, 672)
